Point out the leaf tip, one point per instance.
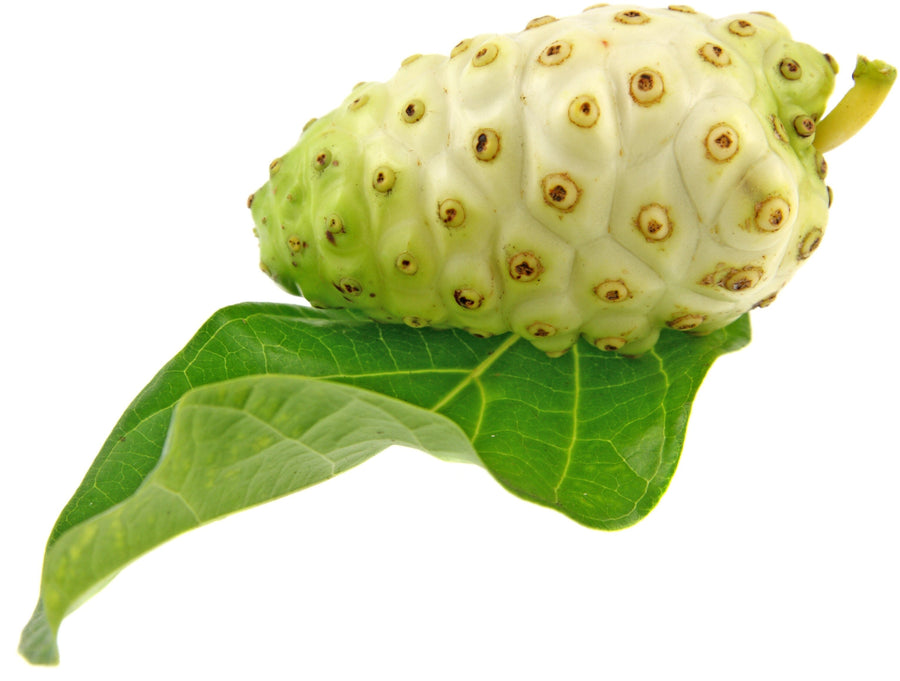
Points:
(38, 642)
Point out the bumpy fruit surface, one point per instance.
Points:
(605, 175)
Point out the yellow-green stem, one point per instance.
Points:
(872, 80)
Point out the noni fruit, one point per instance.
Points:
(605, 175)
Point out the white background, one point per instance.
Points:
(131, 137)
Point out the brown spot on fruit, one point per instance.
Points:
(460, 47)
(525, 266)
(654, 223)
(610, 344)
(358, 103)
(715, 54)
(742, 28)
(485, 55)
(722, 143)
(349, 287)
(539, 21)
(413, 111)
(810, 242)
(452, 213)
(768, 300)
(772, 214)
(647, 87)
(790, 69)
(686, 322)
(467, 298)
(805, 126)
(778, 128)
(555, 53)
(584, 111)
(632, 17)
(486, 144)
(383, 179)
(322, 159)
(406, 263)
(541, 329)
(612, 291)
(821, 166)
(560, 191)
(742, 280)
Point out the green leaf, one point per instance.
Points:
(594, 435)
(231, 445)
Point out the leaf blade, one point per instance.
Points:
(592, 435)
(232, 445)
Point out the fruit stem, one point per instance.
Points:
(872, 80)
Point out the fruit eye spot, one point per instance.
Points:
(647, 87)
(406, 263)
(467, 298)
(742, 28)
(486, 144)
(540, 21)
(460, 47)
(778, 128)
(790, 69)
(805, 126)
(609, 344)
(741, 280)
(555, 53)
(525, 266)
(686, 322)
(451, 213)
(541, 329)
(821, 166)
(810, 243)
(653, 222)
(721, 143)
(413, 111)
(383, 179)
(560, 191)
(486, 55)
(768, 300)
(612, 291)
(584, 111)
(772, 214)
(358, 103)
(349, 286)
(632, 17)
(322, 160)
(715, 54)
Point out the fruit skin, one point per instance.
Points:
(606, 175)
